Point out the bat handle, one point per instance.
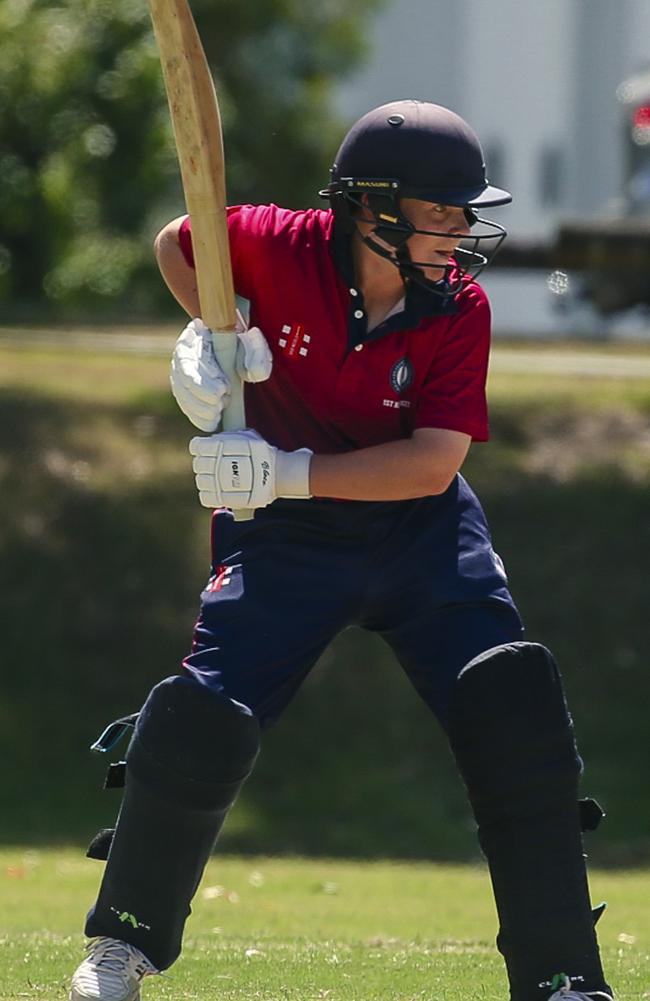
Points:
(233, 417)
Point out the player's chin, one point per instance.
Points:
(435, 272)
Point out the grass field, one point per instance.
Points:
(279, 930)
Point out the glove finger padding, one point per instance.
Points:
(199, 385)
(192, 378)
(204, 465)
(195, 353)
(202, 412)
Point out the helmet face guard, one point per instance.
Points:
(392, 230)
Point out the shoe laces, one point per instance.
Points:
(119, 957)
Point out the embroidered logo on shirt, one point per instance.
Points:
(396, 404)
(294, 341)
(401, 375)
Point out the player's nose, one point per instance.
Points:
(459, 224)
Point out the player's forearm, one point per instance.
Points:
(399, 470)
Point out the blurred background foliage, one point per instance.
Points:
(87, 163)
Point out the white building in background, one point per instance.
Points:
(536, 80)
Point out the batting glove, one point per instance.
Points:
(200, 386)
(238, 469)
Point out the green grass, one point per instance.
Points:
(278, 930)
(81, 375)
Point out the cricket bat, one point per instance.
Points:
(196, 121)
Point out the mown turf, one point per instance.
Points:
(279, 930)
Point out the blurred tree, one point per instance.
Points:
(275, 63)
(87, 162)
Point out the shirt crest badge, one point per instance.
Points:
(401, 375)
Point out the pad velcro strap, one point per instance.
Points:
(116, 775)
(591, 814)
(113, 733)
(100, 845)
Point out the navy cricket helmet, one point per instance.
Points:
(415, 149)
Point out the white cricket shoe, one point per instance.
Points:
(567, 993)
(112, 971)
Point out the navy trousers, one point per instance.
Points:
(421, 573)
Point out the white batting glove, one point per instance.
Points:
(238, 469)
(200, 386)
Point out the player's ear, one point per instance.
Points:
(363, 210)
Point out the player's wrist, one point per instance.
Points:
(292, 473)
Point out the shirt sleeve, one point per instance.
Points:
(250, 228)
(453, 395)
(185, 240)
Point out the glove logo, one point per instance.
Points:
(294, 341)
(234, 473)
(401, 375)
(266, 472)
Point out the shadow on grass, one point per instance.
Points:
(102, 555)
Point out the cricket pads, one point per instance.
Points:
(512, 736)
(190, 754)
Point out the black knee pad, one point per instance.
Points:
(511, 731)
(193, 745)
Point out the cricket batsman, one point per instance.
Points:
(365, 368)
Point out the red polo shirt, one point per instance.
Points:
(334, 386)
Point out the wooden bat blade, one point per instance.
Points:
(197, 129)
